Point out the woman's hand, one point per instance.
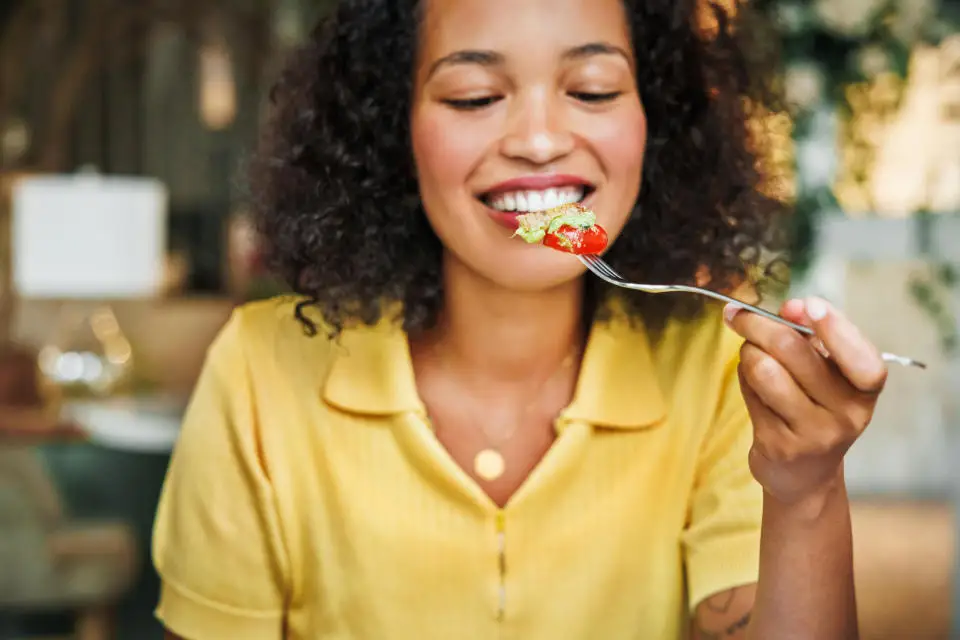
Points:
(806, 409)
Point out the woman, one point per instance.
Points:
(454, 434)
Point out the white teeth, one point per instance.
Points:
(551, 198)
(535, 201)
(524, 201)
(521, 202)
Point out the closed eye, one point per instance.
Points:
(583, 96)
(472, 104)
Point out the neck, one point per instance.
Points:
(504, 335)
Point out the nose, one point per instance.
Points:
(537, 131)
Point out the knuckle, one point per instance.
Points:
(772, 448)
(765, 369)
(840, 421)
(795, 451)
(866, 371)
(832, 440)
(856, 418)
(761, 439)
(875, 379)
(788, 454)
(748, 357)
(859, 418)
(789, 344)
(848, 424)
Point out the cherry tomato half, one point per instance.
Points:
(576, 240)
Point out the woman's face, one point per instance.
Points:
(523, 105)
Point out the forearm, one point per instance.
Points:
(806, 586)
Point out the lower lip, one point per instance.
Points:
(510, 219)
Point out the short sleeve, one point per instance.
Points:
(721, 544)
(216, 542)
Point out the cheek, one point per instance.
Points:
(444, 155)
(621, 146)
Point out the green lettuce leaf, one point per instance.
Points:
(535, 225)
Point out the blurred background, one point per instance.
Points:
(125, 242)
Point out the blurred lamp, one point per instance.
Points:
(87, 240)
(218, 91)
(88, 237)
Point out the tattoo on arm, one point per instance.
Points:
(721, 602)
(724, 616)
(729, 631)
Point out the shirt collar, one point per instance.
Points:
(618, 387)
(372, 372)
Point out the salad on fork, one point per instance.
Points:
(572, 228)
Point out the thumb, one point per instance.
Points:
(795, 310)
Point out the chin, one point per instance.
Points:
(533, 269)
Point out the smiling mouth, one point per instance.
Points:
(527, 200)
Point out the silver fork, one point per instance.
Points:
(605, 272)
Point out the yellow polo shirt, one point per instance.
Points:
(309, 499)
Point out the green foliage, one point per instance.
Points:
(827, 45)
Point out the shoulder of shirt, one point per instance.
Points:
(704, 342)
(267, 332)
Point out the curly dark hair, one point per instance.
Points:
(336, 196)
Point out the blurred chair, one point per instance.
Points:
(47, 561)
(904, 553)
(50, 563)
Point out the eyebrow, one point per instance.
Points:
(468, 56)
(596, 49)
(492, 58)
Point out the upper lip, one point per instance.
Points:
(537, 182)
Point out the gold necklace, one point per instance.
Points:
(489, 463)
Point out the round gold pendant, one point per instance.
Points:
(489, 464)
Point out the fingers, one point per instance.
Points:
(806, 409)
(760, 413)
(855, 356)
(795, 311)
(806, 430)
(771, 435)
(774, 386)
(857, 359)
(815, 375)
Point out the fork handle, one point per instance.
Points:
(887, 357)
(599, 268)
(743, 305)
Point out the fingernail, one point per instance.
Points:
(730, 311)
(820, 347)
(817, 309)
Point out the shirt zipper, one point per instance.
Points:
(501, 566)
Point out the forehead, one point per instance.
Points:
(522, 27)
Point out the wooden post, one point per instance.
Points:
(7, 291)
